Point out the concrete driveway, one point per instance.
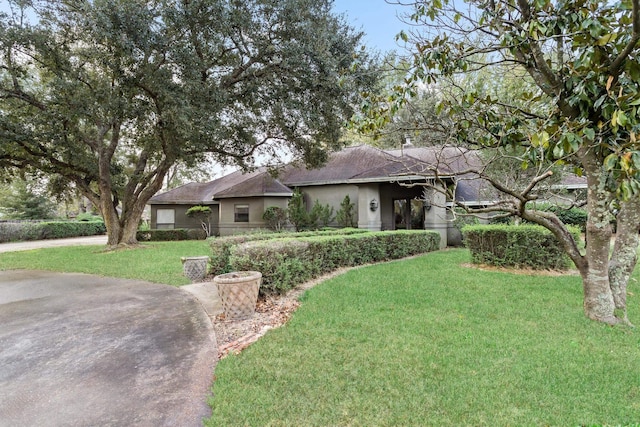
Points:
(82, 350)
(53, 243)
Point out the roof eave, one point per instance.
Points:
(183, 202)
(390, 178)
(240, 196)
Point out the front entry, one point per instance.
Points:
(408, 214)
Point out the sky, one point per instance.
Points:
(376, 18)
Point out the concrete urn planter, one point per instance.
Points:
(238, 292)
(195, 267)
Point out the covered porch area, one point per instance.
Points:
(407, 205)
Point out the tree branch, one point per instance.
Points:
(616, 65)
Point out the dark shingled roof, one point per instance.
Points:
(360, 162)
(236, 184)
(194, 192)
(446, 159)
(573, 181)
(260, 185)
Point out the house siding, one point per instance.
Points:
(181, 219)
(369, 219)
(257, 206)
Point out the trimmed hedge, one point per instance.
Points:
(221, 246)
(519, 246)
(23, 231)
(285, 263)
(570, 216)
(170, 235)
(574, 216)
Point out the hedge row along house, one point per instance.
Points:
(390, 190)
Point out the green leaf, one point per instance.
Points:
(610, 162)
(622, 118)
(589, 133)
(607, 38)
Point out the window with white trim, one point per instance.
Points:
(165, 219)
(241, 213)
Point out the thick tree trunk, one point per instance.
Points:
(598, 296)
(624, 256)
(111, 221)
(131, 216)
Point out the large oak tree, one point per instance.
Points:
(108, 95)
(582, 60)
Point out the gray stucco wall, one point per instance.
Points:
(331, 195)
(181, 220)
(257, 206)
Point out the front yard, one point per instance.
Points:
(422, 341)
(427, 342)
(155, 262)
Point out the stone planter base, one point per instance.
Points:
(195, 267)
(238, 293)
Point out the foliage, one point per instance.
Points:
(154, 235)
(21, 202)
(275, 217)
(320, 215)
(568, 215)
(428, 341)
(529, 246)
(107, 96)
(285, 263)
(416, 122)
(27, 230)
(462, 219)
(281, 262)
(202, 214)
(576, 106)
(157, 262)
(89, 217)
(221, 246)
(346, 215)
(297, 211)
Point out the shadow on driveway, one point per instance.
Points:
(80, 350)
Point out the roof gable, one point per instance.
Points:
(236, 184)
(262, 184)
(359, 162)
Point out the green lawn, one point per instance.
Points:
(412, 342)
(156, 262)
(425, 342)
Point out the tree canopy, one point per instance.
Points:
(580, 109)
(21, 201)
(108, 95)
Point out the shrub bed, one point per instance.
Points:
(285, 263)
(522, 246)
(221, 246)
(170, 235)
(22, 231)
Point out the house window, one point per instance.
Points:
(241, 213)
(165, 219)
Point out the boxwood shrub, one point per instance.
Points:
(163, 235)
(40, 230)
(521, 246)
(285, 263)
(221, 246)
